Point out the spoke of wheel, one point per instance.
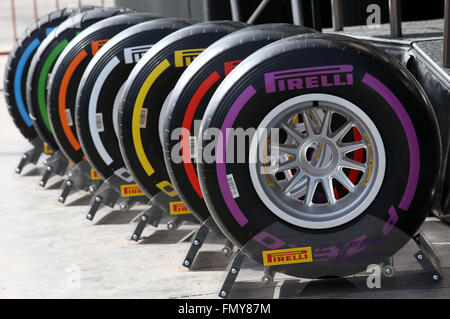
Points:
(293, 133)
(325, 129)
(284, 148)
(342, 131)
(349, 163)
(351, 147)
(284, 166)
(308, 124)
(328, 188)
(312, 185)
(294, 183)
(343, 179)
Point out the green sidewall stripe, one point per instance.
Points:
(43, 80)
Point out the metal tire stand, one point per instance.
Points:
(427, 257)
(31, 156)
(79, 178)
(200, 237)
(159, 207)
(109, 194)
(55, 165)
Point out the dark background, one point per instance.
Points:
(280, 10)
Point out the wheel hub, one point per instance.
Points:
(326, 164)
(317, 157)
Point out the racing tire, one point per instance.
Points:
(99, 93)
(43, 61)
(299, 201)
(66, 75)
(190, 98)
(19, 62)
(145, 93)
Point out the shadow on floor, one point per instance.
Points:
(161, 236)
(56, 184)
(210, 261)
(34, 171)
(118, 217)
(82, 201)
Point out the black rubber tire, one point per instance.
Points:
(159, 65)
(200, 80)
(102, 151)
(413, 155)
(43, 62)
(66, 75)
(18, 63)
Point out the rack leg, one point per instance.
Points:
(427, 257)
(150, 216)
(232, 272)
(196, 243)
(57, 164)
(31, 156)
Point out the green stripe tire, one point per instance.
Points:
(43, 61)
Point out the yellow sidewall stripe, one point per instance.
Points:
(135, 124)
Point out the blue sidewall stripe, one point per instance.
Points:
(18, 80)
(48, 30)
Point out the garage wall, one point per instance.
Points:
(192, 9)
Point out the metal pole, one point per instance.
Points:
(316, 15)
(337, 9)
(57, 4)
(395, 14)
(258, 11)
(13, 19)
(297, 12)
(35, 10)
(235, 10)
(206, 11)
(447, 34)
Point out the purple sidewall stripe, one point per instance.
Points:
(408, 127)
(221, 155)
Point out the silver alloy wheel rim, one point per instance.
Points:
(314, 154)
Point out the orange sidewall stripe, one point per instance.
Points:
(62, 99)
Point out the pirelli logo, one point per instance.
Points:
(178, 208)
(134, 54)
(185, 57)
(94, 175)
(229, 66)
(309, 78)
(130, 190)
(47, 150)
(96, 45)
(287, 256)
